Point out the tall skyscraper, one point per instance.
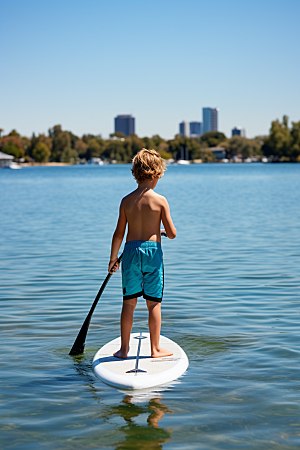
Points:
(210, 119)
(184, 129)
(195, 129)
(125, 124)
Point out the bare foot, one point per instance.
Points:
(120, 354)
(160, 353)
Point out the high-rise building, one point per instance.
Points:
(210, 119)
(195, 129)
(184, 129)
(125, 124)
(237, 131)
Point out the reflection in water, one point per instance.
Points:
(136, 435)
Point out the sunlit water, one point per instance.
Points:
(231, 301)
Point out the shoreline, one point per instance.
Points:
(48, 164)
(197, 162)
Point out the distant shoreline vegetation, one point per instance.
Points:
(60, 146)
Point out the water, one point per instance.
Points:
(231, 301)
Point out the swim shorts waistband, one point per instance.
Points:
(142, 244)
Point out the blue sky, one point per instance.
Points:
(80, 63)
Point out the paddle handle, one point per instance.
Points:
(78, 346)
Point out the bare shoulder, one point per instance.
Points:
(160, 199)
(128, 200)
(128, 197)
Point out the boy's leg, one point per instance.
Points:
(154, 309)
(126, 325)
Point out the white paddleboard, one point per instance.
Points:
(139, 370)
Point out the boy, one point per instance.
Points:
(142, 264)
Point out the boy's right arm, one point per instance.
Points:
(117, 239)
(167, 220)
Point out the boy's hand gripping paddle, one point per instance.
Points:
(78, 346)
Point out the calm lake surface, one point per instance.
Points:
(232, 301)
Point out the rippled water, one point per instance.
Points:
(231, 301)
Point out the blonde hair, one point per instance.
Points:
(147, 165)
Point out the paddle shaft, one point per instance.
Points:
(78, 346)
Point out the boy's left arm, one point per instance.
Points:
(117, 240)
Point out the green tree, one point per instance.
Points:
(69, 155)
(163, 150)
(212, 138)
(13, 150)
(14, 133)
(157, 140)
(207, 156)
(95, 148)
(87, 137)
(81, 148)
(61, 142)
(175, 146)
(136, 143)
(115, 150)
(55, 131)
(149, 143)
(295, 141)
(181, 144)
(118, 134)
(73, 139)
(279, 141)
(41, 152)
(26, 143)
(239, 145)
(12, 145)
(46, 140)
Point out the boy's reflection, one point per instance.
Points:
(136, 437)
(141, 437)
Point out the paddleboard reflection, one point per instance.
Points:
(140, 413)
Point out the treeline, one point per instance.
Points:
(282, 145)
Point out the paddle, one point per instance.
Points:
(78, 346)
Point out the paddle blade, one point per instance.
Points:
(78, 346)
(75, 351)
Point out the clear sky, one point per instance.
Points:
(80, 63)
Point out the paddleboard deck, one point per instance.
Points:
(139, 370)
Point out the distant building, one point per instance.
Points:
(237, 131)
(219, 152)
(184, 129)
(195, 129)
(210, 119)
(125, 124)
(5, 159)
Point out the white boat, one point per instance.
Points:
(12, 165)
(96, 161)
(183, 162)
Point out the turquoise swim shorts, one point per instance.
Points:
(143, 270)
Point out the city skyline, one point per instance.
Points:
(196, 129)
(63, 68)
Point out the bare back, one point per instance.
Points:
(143, 210)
